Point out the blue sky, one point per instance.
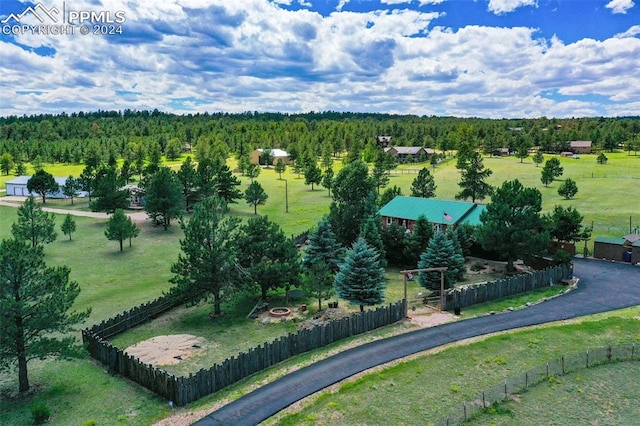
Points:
(482, 58)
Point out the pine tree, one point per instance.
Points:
(280, 167)
(538, 158)
(472, 177)
(312, 175)
(327, 179)
(43, 183)
(120, 227)
(255, 195)
(361, 280)
(164, 199)
(372, 234)
(568, 189)
(416, 242)
(323, 248)
(34, 224)
(68, 226)
(423, 185)
(440, 253)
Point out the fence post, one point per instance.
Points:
(563, 364)
(633, 349)
(484, 401)
(587, 359)
(506, 394)
(464, 405)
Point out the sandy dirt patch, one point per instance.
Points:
(166, 350)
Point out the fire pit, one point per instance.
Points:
(279, 312)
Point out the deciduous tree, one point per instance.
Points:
(6, 163)
(35, 308)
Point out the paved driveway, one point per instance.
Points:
(604, 286)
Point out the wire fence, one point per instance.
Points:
(544, 372)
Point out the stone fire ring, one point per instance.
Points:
(279, 312)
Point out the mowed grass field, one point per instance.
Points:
(112, 281)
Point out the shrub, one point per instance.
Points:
(477, 266)
(40, 412)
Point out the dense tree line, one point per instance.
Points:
(128, 134)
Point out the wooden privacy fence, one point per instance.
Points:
(462, 297)
(183, 390)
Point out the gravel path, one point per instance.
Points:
(604, 286)
(13, 201)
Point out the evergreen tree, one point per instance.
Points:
(312, 175)
(120, 227)
(522, 151)
(163, 197)
(361, 280)
(323, 248)
(35, 315)
(188, 177)
(472, 178)
(109, 191)
(416, 242)
(327, 179)
(351, 188)
(546, 176)
(280, 167)
(268, 257)
(255, 195)
(207, 264)
(371, 233)
(379, 173)
(441, 252)
(389, 194)
(565, 224)
(71, 188)
(423, 185)
(68, 226)
(34, 224)
(319, 282)
(538, 158)
(553, 164)
(227, 184)
(568, 189)
(21, 169)
(43, 183)
(602, 159)
(253, 171)
(394, 240)
(512, 225)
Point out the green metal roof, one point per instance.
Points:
(609, 240)
(434, 210)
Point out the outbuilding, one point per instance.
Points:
(18, 186)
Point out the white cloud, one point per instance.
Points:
(201, 55)
(500, 7)
(620, 6)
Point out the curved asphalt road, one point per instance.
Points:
(603, 286)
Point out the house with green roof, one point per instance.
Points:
(441, 213)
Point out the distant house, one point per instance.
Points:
(384, 141)
(580, 147)
(441, 213)
(136, 197)
(18, 186)
(625, 249)
(504, 152)
(409, 154)
(256, 156)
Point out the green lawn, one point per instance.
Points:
(576, 398)
(427, 387)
